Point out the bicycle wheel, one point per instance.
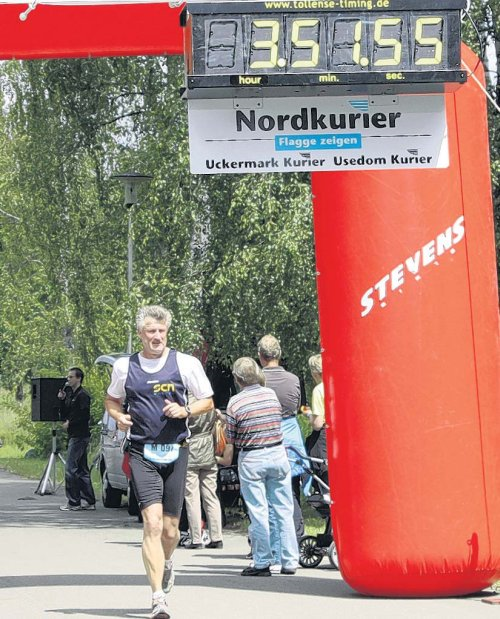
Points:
(309, 553)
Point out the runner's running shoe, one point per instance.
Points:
(160, 608)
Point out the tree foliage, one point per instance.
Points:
(482, 33)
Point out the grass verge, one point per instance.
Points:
(30, 468)
(33, 468)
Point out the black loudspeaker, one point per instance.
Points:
(44, 401)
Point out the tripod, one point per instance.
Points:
(48, 482)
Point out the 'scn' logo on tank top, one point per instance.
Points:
(162, 388)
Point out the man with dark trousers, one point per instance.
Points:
(287, 388)
(75, 413)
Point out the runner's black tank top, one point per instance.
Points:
(146, 396)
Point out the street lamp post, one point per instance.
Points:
(130, 182)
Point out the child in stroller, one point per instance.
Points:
(312, 548)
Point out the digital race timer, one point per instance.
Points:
(304, 47)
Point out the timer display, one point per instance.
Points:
(287, 43)
(273, 45)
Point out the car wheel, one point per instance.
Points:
(111, 497)
(133, 505)
(309, 553)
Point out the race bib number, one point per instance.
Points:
(161, 453)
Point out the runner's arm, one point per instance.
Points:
(175, 411)
(114, 406)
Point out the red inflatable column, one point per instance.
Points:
(409, 320)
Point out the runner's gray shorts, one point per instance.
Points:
(155, 483)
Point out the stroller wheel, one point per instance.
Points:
(333, 556)
(309, 553)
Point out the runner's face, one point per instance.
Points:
(153, 336)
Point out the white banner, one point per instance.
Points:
(309, 134)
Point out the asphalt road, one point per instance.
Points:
(55, 565)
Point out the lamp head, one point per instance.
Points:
(130, 182)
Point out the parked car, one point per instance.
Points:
(115, 484)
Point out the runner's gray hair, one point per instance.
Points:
(157, 312)
(316, 364)
(269, 347)
(247, 372)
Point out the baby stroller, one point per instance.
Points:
(228, 491)
(312, 548)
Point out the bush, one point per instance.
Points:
(10, 411)
(35, 436)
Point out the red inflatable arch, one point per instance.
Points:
(59, 31)
(409, 324)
